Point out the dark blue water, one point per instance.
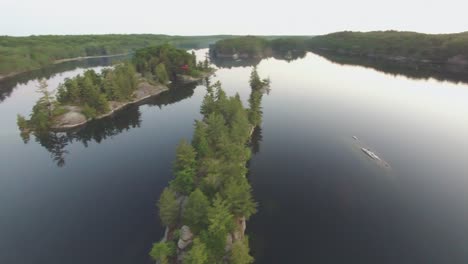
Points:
(89, 196)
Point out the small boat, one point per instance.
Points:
(370, 154)
(355, 138)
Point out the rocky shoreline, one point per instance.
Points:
(186, 236)
(74, 117)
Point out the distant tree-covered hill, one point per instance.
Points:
(396, 45)
(19, 54)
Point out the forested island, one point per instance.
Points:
(96, 95)
(206, 205)
(21, 54)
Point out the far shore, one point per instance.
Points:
(89, 57)
(12, 74)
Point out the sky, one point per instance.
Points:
(239, 17)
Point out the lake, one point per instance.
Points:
(88, 196)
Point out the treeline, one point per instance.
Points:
(209, 199)
(433, 47)
(92, 92)
(163, 63)
(19, 54)
(393, 45)
(257, 47)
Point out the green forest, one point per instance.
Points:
(19, 54)
(435, 47)
(93, 91)
(384, 44)
(210, 176)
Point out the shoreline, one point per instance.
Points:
(144, 91)
(112, 111)
(458, 60)
(12, 74)
(88, 57)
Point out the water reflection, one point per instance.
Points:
(99, 130)
(411, 70)
(229, 63)
(8, 85)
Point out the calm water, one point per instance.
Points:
(88, 196)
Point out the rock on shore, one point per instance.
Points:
(74, 117)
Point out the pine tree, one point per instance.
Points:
(238, 195)
(198, 254)
(168, 208)
(162, 251)
(240, 252)
(196, 211)
(200, 141)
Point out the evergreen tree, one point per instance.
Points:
(198, 254)
(200, 141)
(168, 208)
(240, 252)
(196, 211)
(208, 105)
(238, 196)
(162, 251)
(161, 73)
(216, 131)
(255, 82)
(221, 222)
(183, 182)
(185, 157)
(255, 110)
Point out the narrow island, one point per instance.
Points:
(96, 95)
(206, 205)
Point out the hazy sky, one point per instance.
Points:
(204, 17)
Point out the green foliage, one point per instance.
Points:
(198, 254)
(200, 141)
(41, 116)
(119, 84)
(162, 251)
(196, 211)
(221, 222)
(215, 166)
(255, 81)
(249, 45)
(148, 59)
(185, 157)
(238, 195)
(89, 112)
(18, 54)
(183, 182)
(168, 207)
(161, 73)
(240, 252)
(255, 109)
(436, 47)
(86, 89)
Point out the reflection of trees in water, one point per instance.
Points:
(102, 129)
(409, 69)
(7, 85)
(176, 94)
(248, 62)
